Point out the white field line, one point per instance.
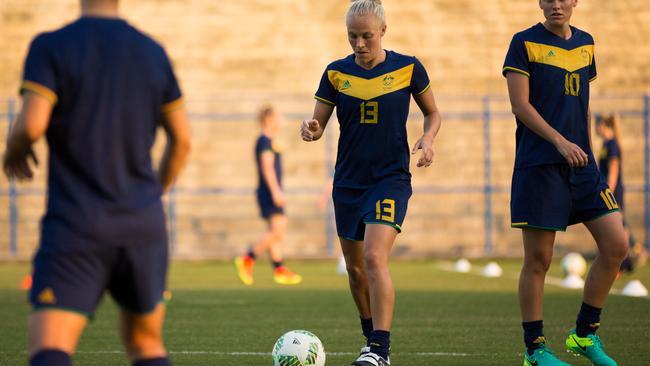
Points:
(221, 353)
(553, 281)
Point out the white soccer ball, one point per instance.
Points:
(573, 264)
(298, 348)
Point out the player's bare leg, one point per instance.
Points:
(609, 234)
(277, 232)
(357, 278)
(538, 253)
(613, 247)
(378, 243)
(142, 334)
(54, 330)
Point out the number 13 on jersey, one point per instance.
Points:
(369, 113)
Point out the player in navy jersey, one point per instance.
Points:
(271, 201)
(610, 163)
(556, 182)
(371, 91)
(98, 89)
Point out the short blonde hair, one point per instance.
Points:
(365, 7)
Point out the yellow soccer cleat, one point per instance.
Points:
(245, 269)
(284, 276)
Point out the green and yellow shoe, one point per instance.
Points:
(590, 347)
(543, 356)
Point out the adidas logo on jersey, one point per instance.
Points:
(346, 85)
(550, 54)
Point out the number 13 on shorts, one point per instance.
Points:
(385, 210)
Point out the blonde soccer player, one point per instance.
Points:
(371, 90)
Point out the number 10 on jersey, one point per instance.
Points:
(369, 113)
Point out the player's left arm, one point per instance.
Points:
(432, 122)
(30, 125)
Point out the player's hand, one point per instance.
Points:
(16, 164)
(310, 130)
(279, 200)
(573, 154)
(425, 143)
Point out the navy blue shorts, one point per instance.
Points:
(134, 275)
(552, 197)
(266, 205)
(384, 203)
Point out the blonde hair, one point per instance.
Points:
(613, 122)
(365, 7)
(265, 112)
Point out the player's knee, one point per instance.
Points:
(616, 251)
(538, 264)
(145, 344)
(375, 262)
(356, 273)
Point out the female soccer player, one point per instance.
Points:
(556, 182)
(104, 229)
(610, 163)
(371, 90)
(271, 200)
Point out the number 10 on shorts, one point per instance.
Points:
(385, 210)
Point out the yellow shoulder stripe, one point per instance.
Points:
(39, 89)
(367, 89)
(569, 60)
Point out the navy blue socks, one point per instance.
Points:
(533, 335)
(366, 327)
(379, 342)
(161, 361)
(588, 320)
(50, 358)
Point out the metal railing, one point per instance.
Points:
(492, 111)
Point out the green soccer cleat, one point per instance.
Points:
(590, 347)
(543, 356)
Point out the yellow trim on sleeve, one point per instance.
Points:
(594, 78)
(172, 106)
(39, 89)
(519, 223)
(510, 68)
(425, 89)
(324, 100)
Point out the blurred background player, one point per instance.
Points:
(271, 201)
(610, 164)
(371, 90)
(98, 88)
(556, 182)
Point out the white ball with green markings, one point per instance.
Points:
(298, 348)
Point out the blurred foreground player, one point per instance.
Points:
(98, 89)
(556, 182)
(271, 201)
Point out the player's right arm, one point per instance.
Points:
(30, 125)
(312, 129)
(518, 90)
(177, 128)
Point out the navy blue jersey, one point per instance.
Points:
(610, 151)
(559, 73)
(263, 144)
(110, 85)
(372, 107)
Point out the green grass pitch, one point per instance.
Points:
(441, 318)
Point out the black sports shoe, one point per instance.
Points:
(370, 359)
